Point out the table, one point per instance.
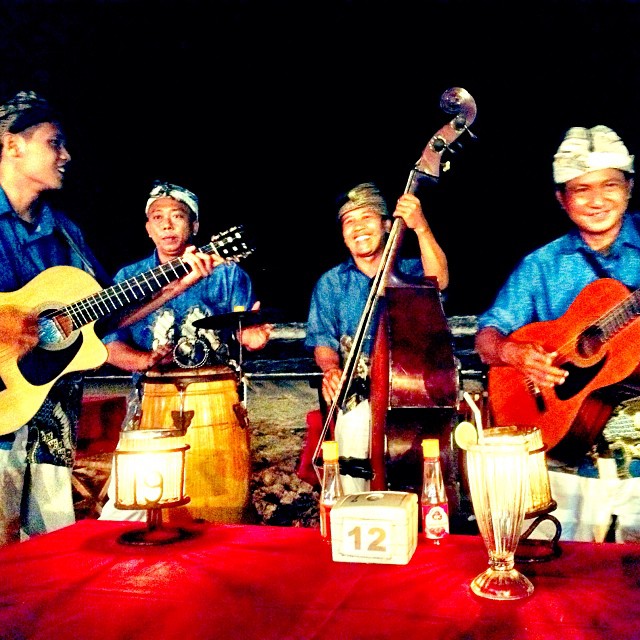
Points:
(250, 581)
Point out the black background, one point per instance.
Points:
(269, 109)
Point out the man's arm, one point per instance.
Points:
(202, 265)
(126, 357)
(434, 260)
(329, 361)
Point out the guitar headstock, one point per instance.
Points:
(232, 244)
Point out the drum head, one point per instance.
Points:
(184, 377)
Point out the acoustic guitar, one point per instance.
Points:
(598, 343)
(68, 302)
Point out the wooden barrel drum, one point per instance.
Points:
(204, 402)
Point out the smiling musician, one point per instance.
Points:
(563, 332)
(340, 295)
(36, 241)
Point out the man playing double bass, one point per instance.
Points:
(555, 286)
(339, 299)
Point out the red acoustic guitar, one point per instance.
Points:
(598, 343)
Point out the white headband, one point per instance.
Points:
(584, 150)
(168, 190)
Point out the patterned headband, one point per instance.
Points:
(26, 105)
(362, 195)
(167, 190)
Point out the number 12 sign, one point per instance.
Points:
(377, 527)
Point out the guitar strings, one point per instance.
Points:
(91, 304)
(617, 318)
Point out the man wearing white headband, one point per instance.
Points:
(168, 337)
(172, 222)
(36, 459)
(595, 480)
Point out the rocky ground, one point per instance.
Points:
(277, 414)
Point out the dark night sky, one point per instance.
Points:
(269, 109)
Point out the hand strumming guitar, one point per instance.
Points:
(530, 358)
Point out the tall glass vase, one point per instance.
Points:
(498, 471)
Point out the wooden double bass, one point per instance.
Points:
(412, 361)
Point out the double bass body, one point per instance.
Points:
(414, 386)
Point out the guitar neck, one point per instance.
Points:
(141, 287)
(618, 317)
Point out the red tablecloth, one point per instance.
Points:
(246, 582)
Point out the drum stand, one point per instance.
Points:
(241, 382)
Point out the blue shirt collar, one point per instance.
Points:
(45, 215)
(629, 235)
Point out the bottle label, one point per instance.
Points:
(435, 521)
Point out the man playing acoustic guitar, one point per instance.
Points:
(37, 455)
(560, 335)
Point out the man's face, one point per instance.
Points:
(596, 203)
(169, 226)
(363, 231)
(42, 155)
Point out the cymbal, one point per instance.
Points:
(233, 319)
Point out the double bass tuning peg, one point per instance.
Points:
(439, 144)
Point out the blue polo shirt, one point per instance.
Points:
(545, 283)
(27, 249)
(338, 301)
(228, 287)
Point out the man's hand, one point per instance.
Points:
(531, 359)
(18, 329)
(161, 355)
(534, 362)
(331, 384)
(329, 361)
(256, 337)
(409, 209)
(202, 265)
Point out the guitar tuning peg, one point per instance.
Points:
(472, 135)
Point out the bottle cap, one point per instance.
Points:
(431, 448)
(329, 451)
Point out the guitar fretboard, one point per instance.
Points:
(229, 244)
(620, 316)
